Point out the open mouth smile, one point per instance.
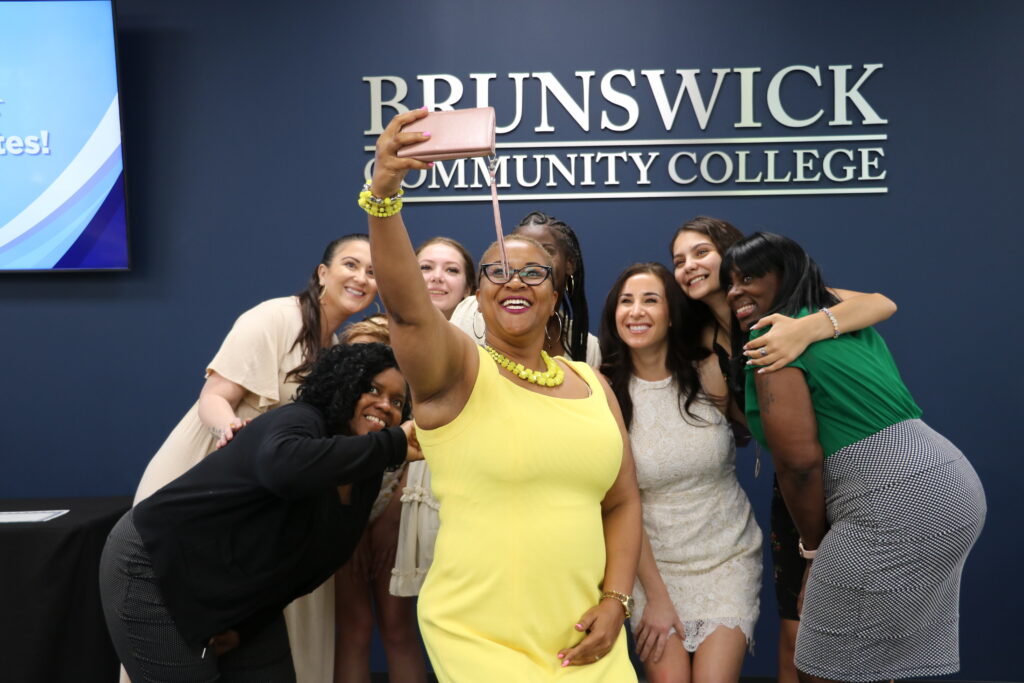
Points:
(743, 310)
(515, 304)
(373, 419)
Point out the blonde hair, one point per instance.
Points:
(371, 328)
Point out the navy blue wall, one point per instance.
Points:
(244, 134)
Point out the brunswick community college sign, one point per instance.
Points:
(828, 141)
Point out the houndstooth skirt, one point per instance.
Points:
(904, 508)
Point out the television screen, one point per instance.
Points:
(62, 198)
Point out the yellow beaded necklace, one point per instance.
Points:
(552, 377)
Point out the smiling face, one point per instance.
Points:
(444, 271)
(516, 309)
(750, 298)
(381, 406)
(695, 261)
(641, 314)
(348, 279)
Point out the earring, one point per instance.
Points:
(478, 335)
(323, 291)
(377, 304)
(559, 319)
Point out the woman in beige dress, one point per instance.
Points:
(254, 371)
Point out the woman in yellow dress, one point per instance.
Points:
(540, 513)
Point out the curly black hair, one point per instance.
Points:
(339, 376)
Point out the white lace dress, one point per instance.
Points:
(704, 537)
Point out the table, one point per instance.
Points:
(51, 624)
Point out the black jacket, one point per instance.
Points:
(259, 522)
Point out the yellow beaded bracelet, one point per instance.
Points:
(376, 206)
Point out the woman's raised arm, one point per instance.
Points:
(790, 337)
(434, 356)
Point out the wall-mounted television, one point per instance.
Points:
(62, 191)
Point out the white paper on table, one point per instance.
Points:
(30, 515)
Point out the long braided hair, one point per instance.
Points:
(572, 307)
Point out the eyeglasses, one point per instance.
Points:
(528, 275)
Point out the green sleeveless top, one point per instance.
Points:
(855, 388)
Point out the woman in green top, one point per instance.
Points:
(886, 507)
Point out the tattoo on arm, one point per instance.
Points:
(766, 391)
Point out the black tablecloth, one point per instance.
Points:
(51, 623)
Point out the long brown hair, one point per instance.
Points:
(722, 234)
(684, 346)
(309, 306)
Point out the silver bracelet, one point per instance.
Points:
(832, 319)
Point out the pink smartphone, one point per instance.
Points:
(454, 134)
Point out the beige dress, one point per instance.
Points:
(257, 354)
(703, 534)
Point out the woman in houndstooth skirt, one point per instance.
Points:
(887, 508)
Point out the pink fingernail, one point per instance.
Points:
(430, 164)
(565, 663)
(426, 133)
(424, 107)
(579, 627)
(560, 655)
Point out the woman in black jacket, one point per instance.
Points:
(194, 578)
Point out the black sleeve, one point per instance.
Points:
(295, 459)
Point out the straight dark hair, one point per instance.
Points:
(723, 235)
(684, 343)
(309, 306)
(800, 282)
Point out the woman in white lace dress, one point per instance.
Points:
(700, 566)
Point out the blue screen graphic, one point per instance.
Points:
(62, 204)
